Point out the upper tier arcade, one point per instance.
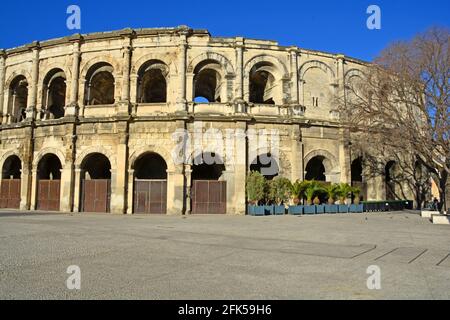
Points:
(169, 73)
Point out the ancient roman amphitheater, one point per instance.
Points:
(94, 123)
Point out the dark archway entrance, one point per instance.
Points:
(315, 169)
(49, 183)
(209, 193)
(95, 183)
(390, 180)
(266, 165)
(357, 177)
(10, 184)
(150, 184)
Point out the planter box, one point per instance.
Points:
(331, 208)
(441, 219)
(256, 210)
(295, 210)
(268, 210)
(343, 208)
(429, 214)
(357, 208)
(309, 209)
(279, 210)
(320, 209)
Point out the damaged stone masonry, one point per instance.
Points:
(88, 121)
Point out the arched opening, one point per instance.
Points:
(262, 84)
(208, 187)
(54, 94)
(357, 176)
(100, 85)
(315, 169)
(49, 183)
(10, 183)
(152, 82)
(389, 179)
(150, 184)
(207, 82)
(267, 165)
(18, 99)
(96, 183)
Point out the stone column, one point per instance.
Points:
(77, 190)
(294, 75)
(34, 183)
(119, 184)
(240, 168)
(2, 84)
(188, 188)
(68, 175)
(124, 104)
(296, 154)
(181, 100)
(175, 191)
(31, 108)
(72, 107)
(24, 188)
(344, 156)
(239, 80)
(130, 192)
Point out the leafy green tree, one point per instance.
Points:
(280, 190)
(255, 187)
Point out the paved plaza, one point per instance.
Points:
(223, 257)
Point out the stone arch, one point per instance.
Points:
(316, 64)
(102, 59)
(8, 154)
(50, 150)
(219, 58)
(161, 151)
(353, 73)
(52, 66)
(149, 57)
(16, 74)
(330, 162)
(95, 149)
(283, 72)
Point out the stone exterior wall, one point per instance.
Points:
(301, 85)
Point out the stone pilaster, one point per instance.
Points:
(68, 174)
(188, 188)
(124, 103)
(72, 107)
(31, 108)
(119, 183)
(34, 185)
(240, 168)
(296, 154)
(130, 192)
(293, 53)
(182, 66)
(175, 191)
(2, 83)
(239, 80)
(77, 190)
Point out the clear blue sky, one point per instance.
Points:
(328, 25)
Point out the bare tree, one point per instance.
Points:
(399, 107)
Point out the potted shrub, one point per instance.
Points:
(343, 192)
(332, 191)
(280, 191)
(297, 193)
(356, 207)
(255, 193)
(313, 189)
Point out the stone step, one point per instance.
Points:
(441, 219)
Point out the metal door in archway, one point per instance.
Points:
(48, 195)
(96, 195)
(209, 197)
(10, 194)
(150, 196)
